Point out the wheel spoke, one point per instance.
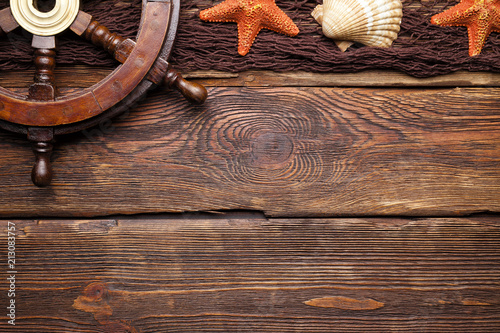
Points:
(85, 26)
(121, 48)
(44, 88)
(7, 21)
(81, 23)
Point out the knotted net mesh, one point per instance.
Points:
(421, 49)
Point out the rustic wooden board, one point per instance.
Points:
(363, 79)
(251, 274)
(283, 151)
(85, 76)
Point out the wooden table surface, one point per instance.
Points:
(289, 202)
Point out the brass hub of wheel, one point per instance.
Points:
(42, 23)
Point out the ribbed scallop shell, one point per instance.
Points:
(370, 22)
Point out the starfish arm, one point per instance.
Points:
(247, 32)
(495, 13)
(456, 15)
(278, 21)
(226, 11)
(478, 33)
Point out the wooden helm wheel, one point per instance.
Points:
(42, 114)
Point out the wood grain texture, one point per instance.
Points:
(251, 274)
(370, 78)
(86, 76)
(66, 76)
(283, 151)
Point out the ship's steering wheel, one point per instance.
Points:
(43, 114)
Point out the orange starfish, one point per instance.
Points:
(251, 16)
(481, 17)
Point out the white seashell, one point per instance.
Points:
(370, 22)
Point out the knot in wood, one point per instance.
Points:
(272, 149)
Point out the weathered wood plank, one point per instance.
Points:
(182, 274)
(362, 79)
(86, 76)
(283, 151)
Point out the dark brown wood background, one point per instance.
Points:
(290, 202)
(248, 273)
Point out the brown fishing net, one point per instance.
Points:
(421, 49)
